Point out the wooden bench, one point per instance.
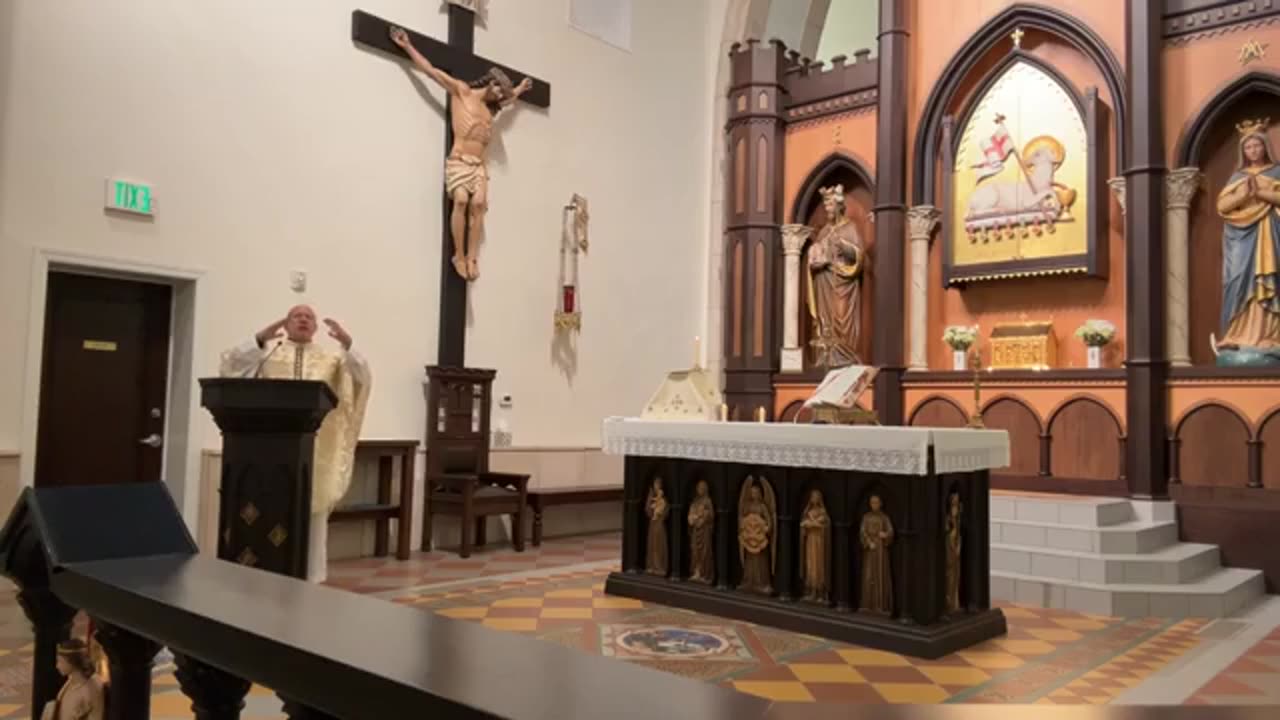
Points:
(384, 511)
(574, 495)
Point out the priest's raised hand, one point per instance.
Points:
(337, 332)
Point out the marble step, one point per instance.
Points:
(1131, 537)
(1219, 594)
(1170, 565)
(1062, 509)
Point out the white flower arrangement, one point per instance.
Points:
(1096, 333)
(960, 337)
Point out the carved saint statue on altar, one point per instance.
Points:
(836, 260)
(876, 536)
(815, 544)
(656, 508)
(757, 526)
(952, 532)
(472, 109)
(81, 696)
(1250, 208)
(702, 515)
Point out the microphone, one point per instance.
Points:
(257, 371)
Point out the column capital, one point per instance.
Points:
(794, 236)
(1180, 186)
(921, 221)
(1118, 185)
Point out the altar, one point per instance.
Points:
(876, 536)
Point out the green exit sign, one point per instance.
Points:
(130, 197)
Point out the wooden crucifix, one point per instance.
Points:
(466, 176)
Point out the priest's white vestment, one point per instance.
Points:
(347, 373)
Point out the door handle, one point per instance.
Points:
(153, 440)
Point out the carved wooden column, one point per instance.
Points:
(215, 695)
(130, 659)
(1117, 188)
(51, 621)
(794, 236)
(921, 220)
(1180, 188)
(726, 543)
(1146, 366)
(753, 209)
(890, 211)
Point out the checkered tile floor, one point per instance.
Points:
(377, 575)
(1253, 679)
(1048, 656)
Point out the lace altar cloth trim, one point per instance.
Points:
(894, 450)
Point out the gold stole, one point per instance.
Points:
(336, 441)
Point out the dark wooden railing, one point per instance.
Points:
(123, 556)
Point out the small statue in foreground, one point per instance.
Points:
(756, 531)
(815, 541)
(656, 508)
(953, 536)
(702, 517)
(876, 535)
(81, 697)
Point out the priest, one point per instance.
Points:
(284, 351)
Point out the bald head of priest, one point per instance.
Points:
(299, 326)
(285, 350)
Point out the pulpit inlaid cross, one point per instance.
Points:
(456, 67)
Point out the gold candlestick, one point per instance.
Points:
(724, 413)
(975, 420)
(760, 414)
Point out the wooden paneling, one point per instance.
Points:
(1240, 521)
(1086, 441)
(762, 167)
(758, 291)
(739, 270)
(1213, 447)
(938, 412)
(740, 176)
(1023, 427)
(1270, 437)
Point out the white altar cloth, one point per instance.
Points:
(897, 450)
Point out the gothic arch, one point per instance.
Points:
(1024, 15)
(1084, 397)
(1191, 141)
(835, 162)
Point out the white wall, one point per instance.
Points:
(275, 144)
(850, 25)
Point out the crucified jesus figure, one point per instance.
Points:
(472, 109)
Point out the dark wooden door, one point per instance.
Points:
(103, 381)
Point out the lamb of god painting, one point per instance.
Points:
(1019, 179)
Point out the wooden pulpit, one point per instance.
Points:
(268, 446)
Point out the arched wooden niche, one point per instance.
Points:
(1210, 142)
(1038, 23)
(1023, 172)
(806, 208)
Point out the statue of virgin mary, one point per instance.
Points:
(1249, 205)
